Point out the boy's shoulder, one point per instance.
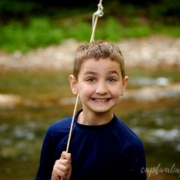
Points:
(127, 132)
(62, 124)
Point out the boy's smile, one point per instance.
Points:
(99, 85)
(100, 100)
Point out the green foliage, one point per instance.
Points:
(77, 30)
(164, 9)
(39, 32)
(109, 30)
(33, 30)
(17, 7)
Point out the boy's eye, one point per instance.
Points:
(91, 79)
(112, 80)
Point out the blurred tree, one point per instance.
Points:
(13, 8)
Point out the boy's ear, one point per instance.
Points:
(125, 81)
(73, 84)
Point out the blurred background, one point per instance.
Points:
(37, 41)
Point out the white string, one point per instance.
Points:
(98, 13)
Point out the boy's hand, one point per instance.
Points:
(62, 168)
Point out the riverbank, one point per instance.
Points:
(150, 52)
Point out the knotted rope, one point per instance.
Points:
(98, 13)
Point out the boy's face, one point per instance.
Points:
(99, 85)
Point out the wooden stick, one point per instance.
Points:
(72, 122)
(77, 97)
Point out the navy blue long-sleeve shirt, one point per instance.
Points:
(111, 151)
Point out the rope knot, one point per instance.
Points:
(98, 13)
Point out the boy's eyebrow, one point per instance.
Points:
(90, 72)
(94, 73)
(113, 72)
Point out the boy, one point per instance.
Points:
(102, 146)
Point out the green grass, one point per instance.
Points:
(39, 32)
(44, 31)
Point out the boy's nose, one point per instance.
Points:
(102, 88)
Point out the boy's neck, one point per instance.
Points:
(94, 118)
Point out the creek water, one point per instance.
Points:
(34, 100)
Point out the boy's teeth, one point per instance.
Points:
(100, 100)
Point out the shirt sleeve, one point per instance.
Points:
(46, 159)
(136, 163)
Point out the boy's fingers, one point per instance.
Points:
(65, 155)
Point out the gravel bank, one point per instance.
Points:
(155, 52)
